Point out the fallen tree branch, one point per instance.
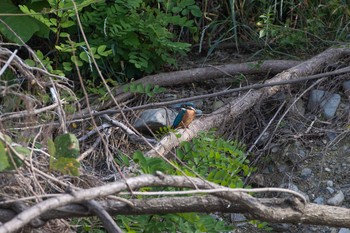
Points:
(202, 74)
(215, 94)
(280, 210)
(246, 101)
(107, 221)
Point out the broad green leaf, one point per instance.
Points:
(148, 88)
(84, 56)
(76, 60)
(132, 87)
(30, 62)
(67, 145)
(101, 49)
(139, 157)
(66, 165)
(139, 88)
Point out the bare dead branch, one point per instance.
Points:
(245, 102)
(109, 224)
(281, 210)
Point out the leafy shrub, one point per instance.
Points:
(137, 34)
(219, 161)
(215, 159)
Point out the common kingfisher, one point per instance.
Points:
(184, 117)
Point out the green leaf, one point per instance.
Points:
(22, 151)
(133, 87)
(67, 24)
(66, 165)
(195, 11)
(139, 88)
(51, 148)
(148, 88)
(101, 49)
(126, 88)
(30, 62)
(67, 66)
(139, 157)
(125, 160)
(67, 145)
(4, 160)
(64, 151)
(76, 60)
(84, 56)
(24, 26)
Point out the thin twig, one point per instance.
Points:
(8, 62)
(218, 190)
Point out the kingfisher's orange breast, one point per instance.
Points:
(189, 116)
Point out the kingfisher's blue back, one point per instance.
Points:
(178, 118)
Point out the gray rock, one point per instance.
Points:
(306, 173)
(327, 101)
(337, 199)
(344, 230)
(282, 168)
(238, 219)
(346, 87)
(329, 183)
(319, 200)
(302, 153)
(330, 190)
(154, 119)
(331, 135)
(218, 104)
(290, 186)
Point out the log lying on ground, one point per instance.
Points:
(202, 74)
(246, 101)
(280, 210)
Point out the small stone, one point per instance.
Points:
(238, 219)
(302, 153)
(319, 200)
(327, 169)
(275, 149)
(344, 230)
(306, 173)
(282, 168)
(329, 183)
(217, 104)
(330, 190)
(290, 186)
(346, 86)
(331, 136)
(329, 102)
(337, 199)
(153, 119)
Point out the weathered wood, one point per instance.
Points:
(246, 101)
(202, 74)
(279, 210)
